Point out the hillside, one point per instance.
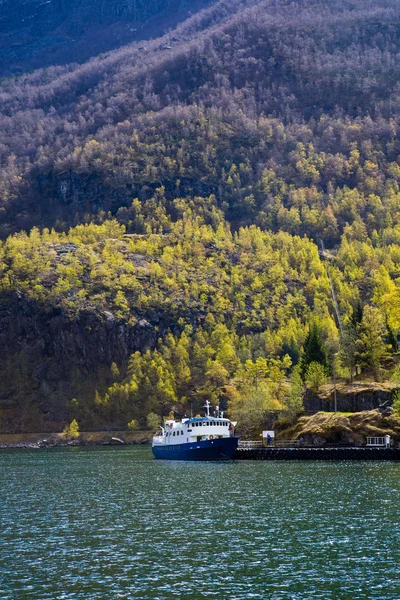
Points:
(289, 114)
(36, 34)
(185, 185)
(191, 304)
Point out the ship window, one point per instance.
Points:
(182, 432)
(174, 433)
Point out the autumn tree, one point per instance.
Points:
(294, 400)
(371, 344)
(348, 353)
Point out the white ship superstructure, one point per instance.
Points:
(178, 439)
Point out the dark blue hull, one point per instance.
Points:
(218, 449)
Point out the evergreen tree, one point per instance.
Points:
(313, 350)
(357, 315)
(392, 339)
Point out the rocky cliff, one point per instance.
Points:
(354, 397)
(342, 429)
(48, 358)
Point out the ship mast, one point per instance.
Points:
(207, 407)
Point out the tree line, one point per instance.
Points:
(244, 318)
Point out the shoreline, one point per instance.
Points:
(87, 438)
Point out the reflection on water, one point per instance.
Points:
(105, 523)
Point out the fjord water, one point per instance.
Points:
(105, 523)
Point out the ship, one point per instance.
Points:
(197, 438)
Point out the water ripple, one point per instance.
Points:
(104, 523)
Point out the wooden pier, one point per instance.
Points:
(326, 453)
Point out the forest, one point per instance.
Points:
(175, 215)
(36, 34)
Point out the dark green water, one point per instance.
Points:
(105, 523)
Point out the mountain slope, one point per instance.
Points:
(189, 181)
(304, 95)
(35, 34)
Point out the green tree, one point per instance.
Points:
(250, 409)
(133, 425)
(396, 404)
(315, 376)
(348, 354)
(313, 350)
(153, 421)
(371, 345)
(294, 401)
(71, 431)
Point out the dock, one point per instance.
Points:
(325, 453)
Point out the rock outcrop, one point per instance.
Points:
(48, 358)
(342, 429)
(354, 397)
